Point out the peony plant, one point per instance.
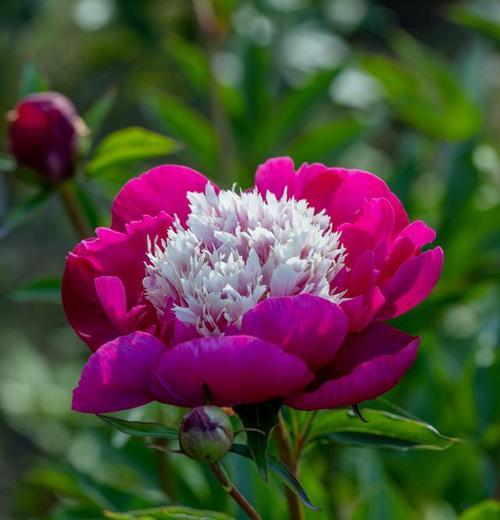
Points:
(278, 295)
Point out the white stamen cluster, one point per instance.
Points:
(237, 249)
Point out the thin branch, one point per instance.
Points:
(234, 492)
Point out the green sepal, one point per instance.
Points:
(260, 419)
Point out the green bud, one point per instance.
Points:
(206, 433)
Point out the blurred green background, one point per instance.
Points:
(407, 90)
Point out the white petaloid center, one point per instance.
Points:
(237, 249)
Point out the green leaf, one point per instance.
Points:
(285, 475)
(383, 430)
(73, 484)
(186, 124)
(257, 68)
(257, 103)
(297, 105)
(23, 211)
(45, 290)
(32, 81)
(379, 498)
(140, 429)
(279, 469)
(169, 513)
(326, 141)
(64, 483)
(481, 23)
(96, 115)
(72, 512)
(460, 164)
(127, 146)
(423, 91)
(486, 510)
(262, 417)
(191, 60)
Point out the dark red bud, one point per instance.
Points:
(44, 133)
(206, 433)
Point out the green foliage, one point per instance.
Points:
(87, 490)
(140, 429)
(86, 200)
(192, 61)
(168, 513)
(379, 498)
(126, 146)
(295, 108)
(423, 91)
(479, 22)
(326, 141)
(44, 290)
(25, 210)
(185, 124)
(32, 81)
(260, 420)
(158, 431)
(487, 510)
(98, 112)
(279, 470)
(381, 430)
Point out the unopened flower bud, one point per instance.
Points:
(44, 133)
(206, 433)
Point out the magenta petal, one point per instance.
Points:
(111, 253)
(356, 241)
(236, 370)
(402, 249)
(118, 375)
(362, 309)
(318, 184)
(81, 303)
(111, 294)
(275, 175)
(412, 283)
(369, 364)
(309, 327)
(353, 307)
(419, 233)
(342, 193)
(376, 218)
(358, 186)
(362, 274)
(182, 332)
(163, 188)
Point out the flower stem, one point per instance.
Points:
(301, 440)
(285, 451)
(73, 209)
(234, 491)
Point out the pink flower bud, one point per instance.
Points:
(206, 434)
(44, 132)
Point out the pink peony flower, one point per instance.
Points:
(277, 292)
